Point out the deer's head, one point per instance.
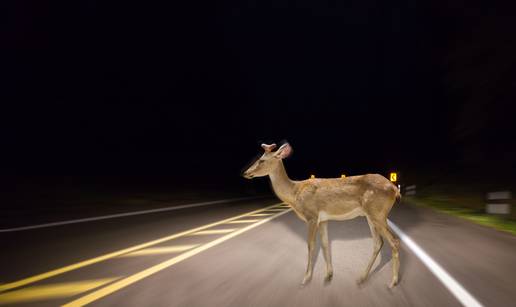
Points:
(268, 161)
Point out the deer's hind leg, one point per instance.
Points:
(378, 243)
(395, 246)
(323, 233)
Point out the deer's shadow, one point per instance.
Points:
(354, 229)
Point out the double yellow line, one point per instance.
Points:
(89, 298)
(136, 277)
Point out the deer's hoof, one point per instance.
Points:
(306, 280)
(361, 280)
(328, 277)
(393, 284)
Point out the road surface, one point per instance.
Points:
(248, 253)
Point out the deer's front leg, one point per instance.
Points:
(312, 230)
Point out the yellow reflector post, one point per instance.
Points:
(394, 177)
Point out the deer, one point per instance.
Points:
(319, 200)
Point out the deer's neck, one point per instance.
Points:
(282, 185)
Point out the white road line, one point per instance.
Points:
(464, 297)
(112, 216)
(92, 261)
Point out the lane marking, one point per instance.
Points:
(102, 292)
(52, 291)
(112, 216)
(91, 261)
(160, 250)
(464, 297)
(261, 214)
(243, 221)
(212, 232)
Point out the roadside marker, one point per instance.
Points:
(393, 177)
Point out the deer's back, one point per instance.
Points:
(345, 198)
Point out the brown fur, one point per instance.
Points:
(317, 201)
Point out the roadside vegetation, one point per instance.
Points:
(466, 204)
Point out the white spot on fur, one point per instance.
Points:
(324, 216)
(367, 195)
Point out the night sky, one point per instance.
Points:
(187, 90)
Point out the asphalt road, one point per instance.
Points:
(247, 254)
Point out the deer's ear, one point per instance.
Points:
(268, 148)
(284, 151)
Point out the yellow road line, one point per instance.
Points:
(243, 221)
(160, 250)
(51, 291)
(261, 214)
(91, 261)
(212, 232)
(102, 292)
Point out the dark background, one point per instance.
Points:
(183, 92)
